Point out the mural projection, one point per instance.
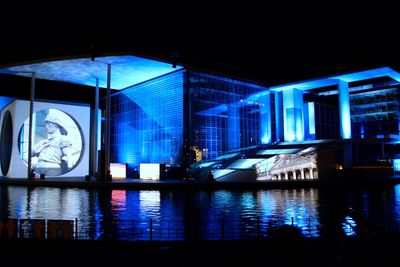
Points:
(151, 171)
(296, 166)
(57, 143)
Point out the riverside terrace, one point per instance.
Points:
(137, 184)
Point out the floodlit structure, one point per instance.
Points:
(191, 121)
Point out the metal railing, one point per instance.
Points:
(151, 229)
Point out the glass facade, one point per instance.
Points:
(326, 121)
(147, 122)
(224, 115)
(375, 112)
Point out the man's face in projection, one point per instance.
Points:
(51, 127)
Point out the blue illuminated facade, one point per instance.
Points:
(222, 116)
(193, 119)
(185, 119)
(147, 122)
(375, 112)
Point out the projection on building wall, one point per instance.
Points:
(296, 166)
(151, 171)
(57, 143)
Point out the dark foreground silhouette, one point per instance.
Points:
(286, 247)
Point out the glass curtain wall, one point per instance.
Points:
(147, 122)
(375, 113)
(224, 115)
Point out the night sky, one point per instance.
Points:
(259, 42)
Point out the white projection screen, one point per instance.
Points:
(60, 139)
(150, 171)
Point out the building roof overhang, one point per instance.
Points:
(126, 70)
(334, 80)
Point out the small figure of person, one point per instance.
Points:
(210, 176)
(54, 154)
(32, 174)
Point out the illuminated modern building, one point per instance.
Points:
(198, 121)
(190, 122)
(184, 117)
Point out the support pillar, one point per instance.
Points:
(94, 133)
(293, 115)
(107, 130)
(347, 156)
(278, 116)
(32, 99)
(344, 110)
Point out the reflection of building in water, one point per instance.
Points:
(299, 206)
(49, 203)
(149, 202)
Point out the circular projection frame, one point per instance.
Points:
(6, 142)
(57, 142)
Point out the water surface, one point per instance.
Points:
(203, 214)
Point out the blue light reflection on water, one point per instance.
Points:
(397, 203)
(283, 206)
(199, 213)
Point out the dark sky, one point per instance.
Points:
(269, 44)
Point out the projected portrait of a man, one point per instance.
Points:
(57, 143)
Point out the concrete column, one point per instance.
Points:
(302, 174)
(278, 116)
(309, 120)
(286, 176)
(311, 173)
(316, 173)
(344, 110)
(293, 115)
(347, 156)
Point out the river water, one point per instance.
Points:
(144, 214)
